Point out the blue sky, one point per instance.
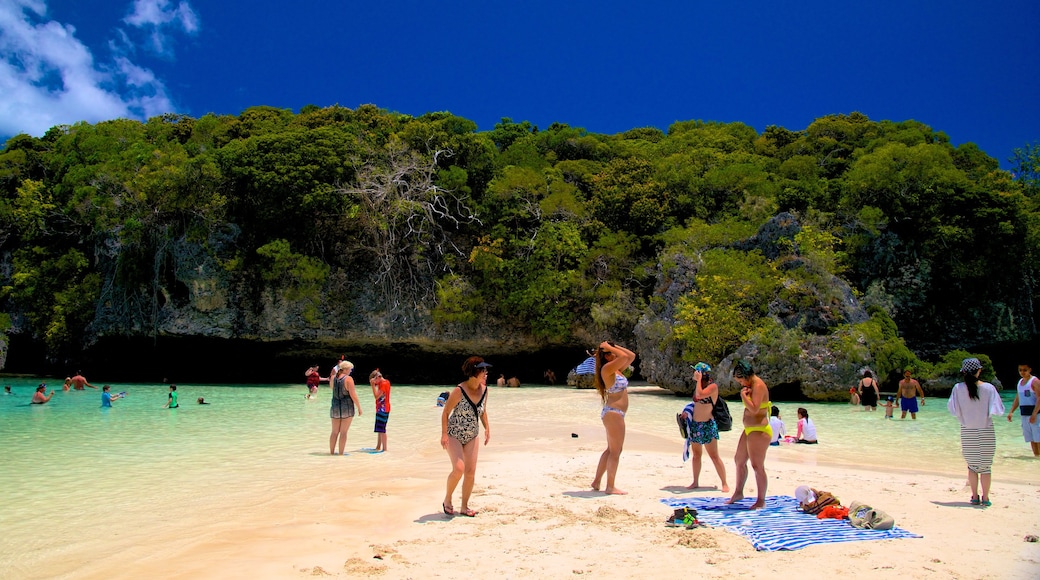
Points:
(970, 69)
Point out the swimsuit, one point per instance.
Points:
(908, 404)
(620, 384)
(464, 423)
(869, 397)
(342, 404)
(767, 405)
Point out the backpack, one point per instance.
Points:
(721, 414)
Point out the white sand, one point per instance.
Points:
(368, 515)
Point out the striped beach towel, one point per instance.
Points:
(780, 525)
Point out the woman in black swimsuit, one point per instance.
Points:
(868, 391)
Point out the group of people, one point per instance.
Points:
(972, 401)
(867, 394)
(345, 404)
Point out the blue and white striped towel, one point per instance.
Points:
(780, 525)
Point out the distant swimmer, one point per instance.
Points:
(202, 401)
(107, 397)
(7, 390)
(79, 381)
(38, 397)
(441, 398)
(171, 403)
(68, 384)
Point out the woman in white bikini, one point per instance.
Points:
(612, 386)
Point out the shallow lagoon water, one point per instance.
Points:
(71, 469)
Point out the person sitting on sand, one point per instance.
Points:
(754, 439)
(612, 387)
(777, 425)
(703, 431)
(806, 428)
(38, 397)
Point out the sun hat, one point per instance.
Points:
(482, 365)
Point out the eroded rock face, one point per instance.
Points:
(803, 353)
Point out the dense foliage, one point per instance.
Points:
(388, 224)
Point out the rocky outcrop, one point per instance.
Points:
(803, 351)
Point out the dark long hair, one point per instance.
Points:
(597, 381)
(972, 382)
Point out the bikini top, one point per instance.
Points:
(620, 384)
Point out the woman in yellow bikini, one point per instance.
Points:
(754, 441)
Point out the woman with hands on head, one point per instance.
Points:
(754, 440)
(703, 431)
(612, 386)
(464, 410)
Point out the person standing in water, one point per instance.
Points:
(344, 406)
(79, 381)
(909, 390)
(1026, 402)
(464, 412)
(868, 391)
(612, 387)
(381, 394)
(107, 397)
(171, 402)
(754, 439)
(38, 397)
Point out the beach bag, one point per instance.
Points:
(721, 414)
(821, 500)
(868, 518)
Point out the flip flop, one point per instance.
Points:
(986, 503)
(468, 513)
(975, 501)
(448, 510)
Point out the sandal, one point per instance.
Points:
(986, 503)
(468, 513)
(975, 500)
(448, 510)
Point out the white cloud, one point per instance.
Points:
(48, 77)
(157, 15)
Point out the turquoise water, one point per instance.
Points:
(71, 468)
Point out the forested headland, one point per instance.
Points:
(818, 252)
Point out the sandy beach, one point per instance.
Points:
(379, 515)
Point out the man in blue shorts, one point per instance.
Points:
(909, 390)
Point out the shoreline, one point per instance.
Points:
(538, 518)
